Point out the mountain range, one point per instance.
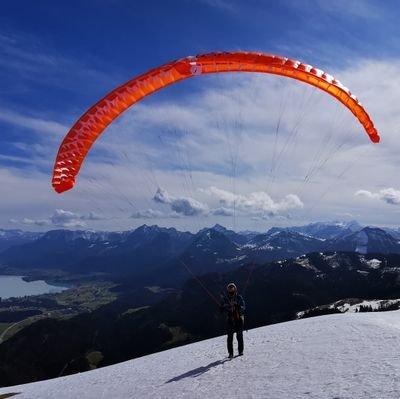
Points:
(158, 255)
(280, 272)
(9, 238)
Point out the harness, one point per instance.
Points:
(233, 308)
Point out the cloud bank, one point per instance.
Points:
(61, 218)
(257, 203)
(389, 195)
(182, 206)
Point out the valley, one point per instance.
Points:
(124, 293)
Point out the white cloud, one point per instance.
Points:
(162, 197)
(147, 214)
(267, 217)
(361, 9)
(93, 216)
(36, 124)
(256, 203)
(39, 222)
(27, 221)
(389, 195)
(222, 211)
(63, 218)
(153, 214)
(188, 207)
(366, 193)
(185, 206)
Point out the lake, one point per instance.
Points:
(15, 286)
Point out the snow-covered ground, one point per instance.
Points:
(374, 304)
(344, 356)
(352, 305)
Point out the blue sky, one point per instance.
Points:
(202, 143)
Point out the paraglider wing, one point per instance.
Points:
(90, 125)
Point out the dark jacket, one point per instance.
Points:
(234, 306)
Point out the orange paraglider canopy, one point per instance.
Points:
(83, 134)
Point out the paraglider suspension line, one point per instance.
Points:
(201, 284)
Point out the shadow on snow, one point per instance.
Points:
(197, 372)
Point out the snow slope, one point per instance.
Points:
(344, 356)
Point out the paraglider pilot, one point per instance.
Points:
(233, 304)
